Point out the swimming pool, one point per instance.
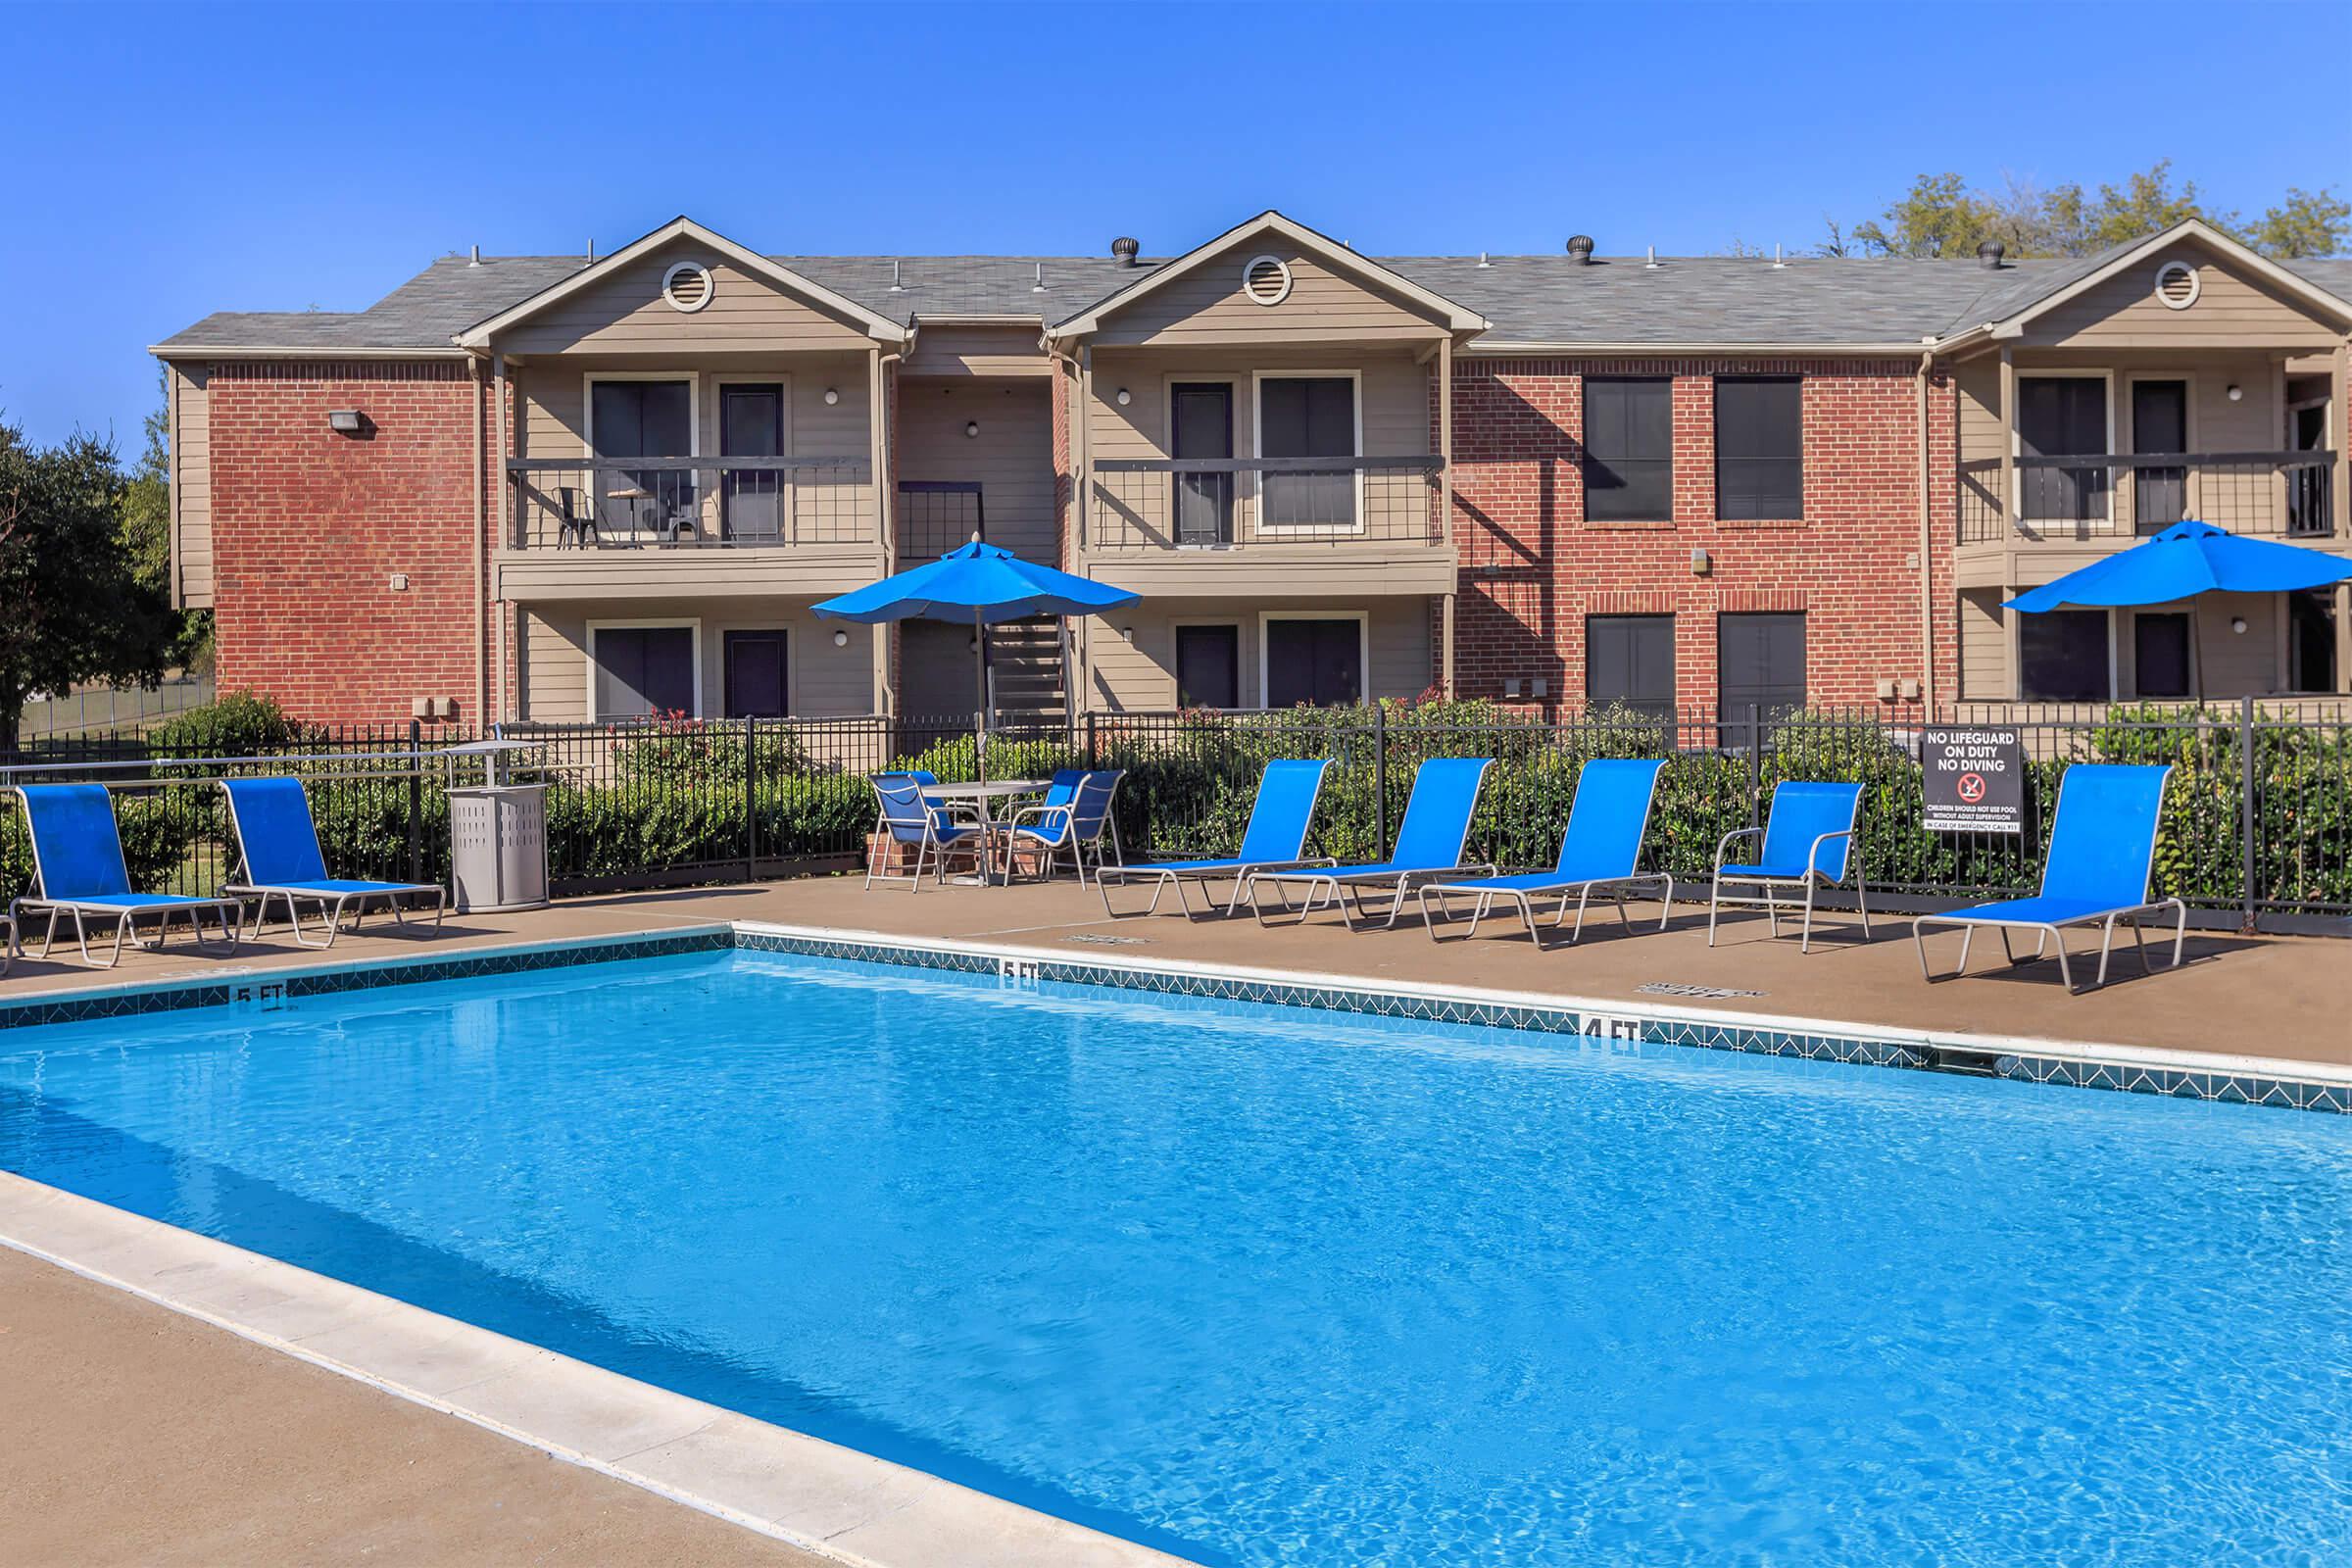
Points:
(1270, 1285)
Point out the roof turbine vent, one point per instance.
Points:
(1990, 253)
(1580, 249)
(1123, 250)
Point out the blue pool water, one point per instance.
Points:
(1272, 1286)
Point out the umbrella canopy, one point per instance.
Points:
(2185, 559)
(978, 583)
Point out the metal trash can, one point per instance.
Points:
(497, 847)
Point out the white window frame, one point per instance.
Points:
(1232, 381)
(2016, 500)
(1232, 623)
(1364, 644)
(1257, 380)
(692, 624)
(792, 660)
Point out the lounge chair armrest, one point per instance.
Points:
(1725, 843)
(1813, 855)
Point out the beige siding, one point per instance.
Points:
(1141, 675)
(625, 313)
(2231, 310)
(1208, 305)
(978, 350)
(555, 398)
(1011, 459)
(826, 681)
(1984, 647)
(191, 487)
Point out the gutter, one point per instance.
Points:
(1927, 551)
(1489, 348)
(246, 351)
(481, 547)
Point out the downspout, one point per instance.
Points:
(482, 546)
(1927, 549)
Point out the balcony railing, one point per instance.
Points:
(691, 502)
(1144, 504)
(2117, 496)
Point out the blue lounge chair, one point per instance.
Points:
(1274, 841)
(277, 847)
(1601, 852)
(1428, 845)
(1808, 843)
(2102, 849)
(78, 867)
(908, 816)
(1071, 822)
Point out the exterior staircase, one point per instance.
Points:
(1031, 676)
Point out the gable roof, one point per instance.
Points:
(876, 325)
(1271, 224)
(2007, 313)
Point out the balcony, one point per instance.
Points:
(653, 527)
(1314, 525)
(2116, 498)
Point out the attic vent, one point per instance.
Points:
(1267, 279)
(688, 287)
(2177, 284)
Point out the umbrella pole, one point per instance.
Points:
(980, 691)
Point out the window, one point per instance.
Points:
(2160, 654)
(1628, 450)
(2062, 657)
(1320, 662)
(642, 419)
(1208, 667)
(1307, 417)
(2062, 417)
(642, 672)
(1759, 447)
(1760, 663)
(1629, 661)
(754, 675)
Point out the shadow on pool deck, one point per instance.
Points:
(2278, 996)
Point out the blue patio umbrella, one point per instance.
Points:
(2184, 560)
(983, 584)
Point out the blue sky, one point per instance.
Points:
(168, 163)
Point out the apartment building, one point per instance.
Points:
(562, 489)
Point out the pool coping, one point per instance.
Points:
(822, 1497)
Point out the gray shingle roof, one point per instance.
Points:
(1528, 299)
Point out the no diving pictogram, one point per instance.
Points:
(1971, 787)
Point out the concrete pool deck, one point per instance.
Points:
(199, 1396)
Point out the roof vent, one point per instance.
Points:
(2177, 286)
(1123, 249)
(476, 260)
(1990, 253)
(687, 286)
(1580, 248)
(1266, 279)
(1039, 287)
(897, 278)
(1482, 260)
(1652, 263)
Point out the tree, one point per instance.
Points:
(146, 512)
(1942, 216)
(72, 606)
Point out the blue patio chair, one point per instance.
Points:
(78, 867)
(1429, 847)
(1069, 821)
(277, 847)
(1808, 843)
(1601, 852)
(908, 817)
(1274, 839)
(2102, 850)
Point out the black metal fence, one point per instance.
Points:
(2257, 821)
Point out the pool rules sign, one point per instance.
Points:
(1975, 780)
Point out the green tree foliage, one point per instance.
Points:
(146, 508)
(1943, 216)
(72, 606)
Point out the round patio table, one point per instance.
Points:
(982, 797)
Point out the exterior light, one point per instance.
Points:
(1127, 634)
(971, 427)
(2237, 624)
(1125, 397)
(346, 421)
(1701, 562)
(841, 639)
(832, 395)
(2238, 394)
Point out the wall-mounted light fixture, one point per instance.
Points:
(346, 421)
(1124, 396)
(832, 395)
(2237, 624)
(971, 427)
(1127, 634)
(2237, 393)
(841, 639)
(1701, 562)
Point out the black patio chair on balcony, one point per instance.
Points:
(575, 524)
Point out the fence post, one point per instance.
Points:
(1380, 778)
(2245, 815)
(1089, 741)
(751, 814)
(1756, 765)
(416, 802)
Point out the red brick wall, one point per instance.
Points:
(308, 528)
(1533, 567)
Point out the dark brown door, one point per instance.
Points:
(2159, 428)
(1200, 426)
(755, 687)
(750, 424)
(1314, 661)
(2160, 653)
(1208, 663)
